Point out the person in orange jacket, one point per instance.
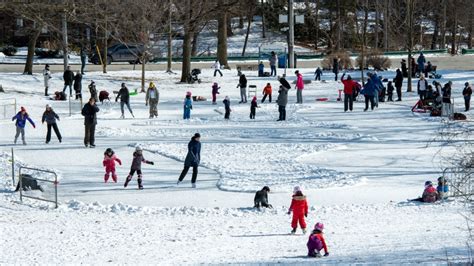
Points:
(267, 91)
(299, 207)
(316, 242)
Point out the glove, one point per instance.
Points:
(289, 212)
(152, 163)
(34, 126)
(326, 254)
(306, 215)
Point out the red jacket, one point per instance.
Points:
(299, 205)
(349, 86)
(109, 162)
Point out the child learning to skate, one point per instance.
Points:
(138, 159)
(299, 207)
(316, 242)
(109, 164)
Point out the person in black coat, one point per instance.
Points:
(78, 85)
(124, 96)
(404, 68)
(335, 67)
(243, 88)
(89, 111)
(261, 198)
(193, 158)
(227, 107)
(68, 77)
(398, 80)
(466, 93)
(50, 117)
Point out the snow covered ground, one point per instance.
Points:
(357, 170)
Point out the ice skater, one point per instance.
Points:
(50, 117)
(193, 158)
(187, 106)
(253, 107)
(227, 107)
(215, 91)
(21, 118)
(138, 159)
(109, 163)
(124, 96)
(299, 207)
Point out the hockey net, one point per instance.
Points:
(7, 108)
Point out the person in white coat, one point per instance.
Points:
(47, 77)
(217, 68)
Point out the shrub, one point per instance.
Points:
(345, 61)
(9, 50)
(374, 59)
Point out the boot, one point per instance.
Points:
(15, 140)
(193, 185)
(304, 231)
(127, 181)
(293, 231)
(106, 178)
(139, 180)
(114, 178)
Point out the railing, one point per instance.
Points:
(55, 183)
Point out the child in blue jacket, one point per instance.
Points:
(20, 124)
(188, 106)
(442, 187)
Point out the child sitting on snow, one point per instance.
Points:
(299, 207)
(138, 159)
(442, 187)
(261, 198)
(316, 242)
(109, 164)
(430, 194)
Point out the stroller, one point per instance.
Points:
(194, 76)
(104, 96)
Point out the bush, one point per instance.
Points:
(46, 53)
(374, 59)
(9, 50)
(345, 61)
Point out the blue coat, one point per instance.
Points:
(370, 88)
(193, 158)
(21, 120)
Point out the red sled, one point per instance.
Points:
(322, 99)
(420, 107)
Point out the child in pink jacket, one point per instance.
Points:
(109, 164)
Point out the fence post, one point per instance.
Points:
(21, 185)
(56, 190)
(13, 167)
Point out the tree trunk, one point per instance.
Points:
(222, 37)
(386, 19)
(169, 61)
(263, 19)
(65, 41)
(453, 32)
(410, 7)
(376, 26)
(186, 65)
(316, 20)
(195, 43)
(338, 25)
(434, 40)
(241, 22)
(249, 22)
(144, 60)
(106, 43)
(443, 24)
(35, 33)
(229, 26)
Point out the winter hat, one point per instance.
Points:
(152, 84)
(227, 98)
(138, 148)
(188, 93)
(428, 183)
(109, 150)
(197, 135)
(22, 109)
(319, 226)
(49, 106)
(466, 84)
(254, 98)
(296, 189)
(266, 188)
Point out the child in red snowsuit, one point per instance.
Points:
(299, 207)
(109, 164)
(316, 242)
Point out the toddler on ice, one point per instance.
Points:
(138, 159)
(109, 164)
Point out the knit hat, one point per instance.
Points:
(22, 109)
(428, 183)
(138, 148)
(296, 189)
(152, 84)
(319, 227)
(49, 106)
(188, 93)
(197, 135)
